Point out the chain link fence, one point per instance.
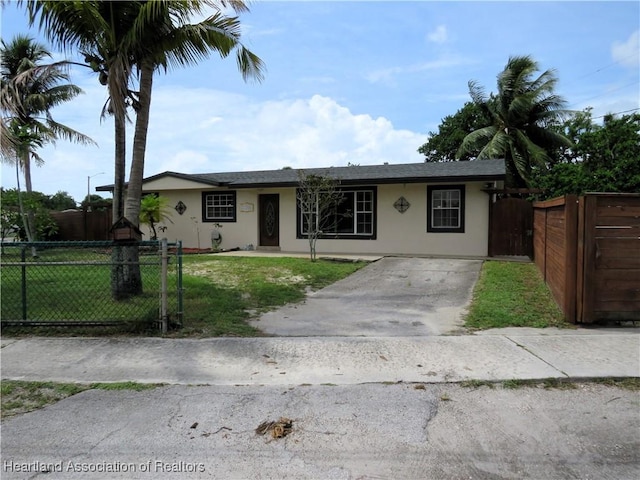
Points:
(70, 284)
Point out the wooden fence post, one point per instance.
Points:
(571, 256)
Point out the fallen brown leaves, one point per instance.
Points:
(278, 429)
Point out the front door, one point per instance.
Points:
(269, 220)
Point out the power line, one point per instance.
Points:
(606, 93)
(605, 67)
(615, 113)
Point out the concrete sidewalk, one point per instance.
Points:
(514, 354)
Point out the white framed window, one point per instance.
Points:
(219, 206)
(445, 209)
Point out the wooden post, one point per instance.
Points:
(589, 271)
(580, 263)
(571, 256)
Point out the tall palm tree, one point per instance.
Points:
(523, 113)
(30, 89)
(170, 41)
(100, 30)
(118, 37)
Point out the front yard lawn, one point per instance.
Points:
(222, 293)
(511, 294)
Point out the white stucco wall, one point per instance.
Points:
(397, 233)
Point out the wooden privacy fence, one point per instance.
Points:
(80, 225)
(588, 250)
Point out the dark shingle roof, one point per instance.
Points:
(398, 173)
(365, 174)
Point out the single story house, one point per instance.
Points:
(412, 209)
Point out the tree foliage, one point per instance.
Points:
(522, 113)
(605, 158)
(125, 42)
(13, 222)
(317, 197)
(153, 210)
(443, 145)
(30, 90)
(61, 201)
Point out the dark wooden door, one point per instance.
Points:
(511, 227)
(269, 220)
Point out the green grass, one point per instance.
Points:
(22, 397)
(475, 384)
(511, 294)
(222, 293)
(80, 292)
(627, 383)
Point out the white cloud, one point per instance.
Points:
(205, 130)
(439, 35)
(299, 133)
(387, 74)
(185, 161)
(628, 52)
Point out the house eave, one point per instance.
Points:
(376, 181)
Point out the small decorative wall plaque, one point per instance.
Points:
(246, 207)
(180, 207)
(402, 205)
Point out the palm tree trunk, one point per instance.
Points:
(125, 272)
(28, 217)
(120, 161)
(136, 174)
(129, 282)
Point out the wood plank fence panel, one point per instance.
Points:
(83, 225)
(588, 250)
(616, 270)
(540, 239)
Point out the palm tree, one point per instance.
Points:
(100, 31)
(172, 41)
(523, 113)
(153, 210)
(30, 89)
(117, 37)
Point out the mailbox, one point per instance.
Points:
(125, 231)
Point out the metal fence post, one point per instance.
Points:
(163, 286)
(23, 259)
(180, 291)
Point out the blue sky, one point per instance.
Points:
(348, 82)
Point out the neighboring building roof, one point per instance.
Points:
(365, 174)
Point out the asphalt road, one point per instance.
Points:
(373, 431)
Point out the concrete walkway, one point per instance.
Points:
(514, 354)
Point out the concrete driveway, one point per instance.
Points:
(391, 297)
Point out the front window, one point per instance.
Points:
(352, 217)
(445, 209)
(219, 206)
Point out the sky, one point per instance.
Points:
(347, 82)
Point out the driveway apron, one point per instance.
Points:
(391, 297)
